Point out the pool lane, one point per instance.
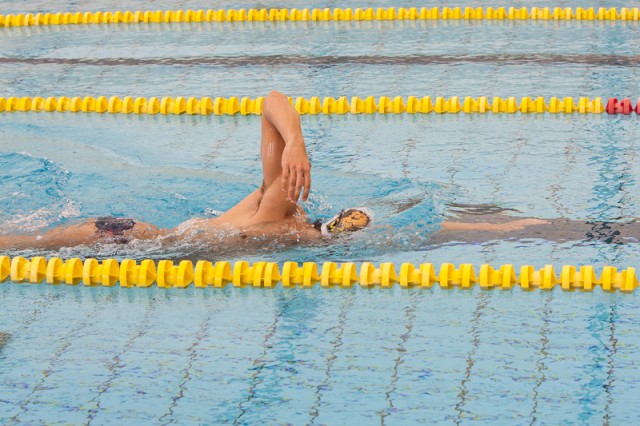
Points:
(315, 356)
(324, 59)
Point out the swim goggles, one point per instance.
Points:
(347, 221)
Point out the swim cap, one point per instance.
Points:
(347, 221)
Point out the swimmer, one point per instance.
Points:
(270, 212)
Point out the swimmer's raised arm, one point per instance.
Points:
(283, 150)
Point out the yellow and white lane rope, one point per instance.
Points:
(326, 14)
(316, 105)
(166, 274)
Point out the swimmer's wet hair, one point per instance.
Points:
(349, 220)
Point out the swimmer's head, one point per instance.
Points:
(350, 220)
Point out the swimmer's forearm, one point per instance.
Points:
(513, 225)
(278, 111)
(464, 226)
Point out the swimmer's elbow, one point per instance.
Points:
(273, 95)
(275, 101)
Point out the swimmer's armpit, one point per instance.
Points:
(113, 226)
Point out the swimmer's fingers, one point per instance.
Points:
(303, 182)
(295, 170)
(307, 185)
(289, 181)
(284, 184)
(295, 183)
(289, 178)
(300, 182)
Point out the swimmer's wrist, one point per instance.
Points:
(294, 140)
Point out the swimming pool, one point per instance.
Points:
(102, 355)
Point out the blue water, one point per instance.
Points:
(316, 356)
(476, 58)
(147, 356)
(407, 169)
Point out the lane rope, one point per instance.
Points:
(316, 105)
(167, 274)
(326, 14)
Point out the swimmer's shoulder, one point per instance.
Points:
(292, 228)
(194, 222)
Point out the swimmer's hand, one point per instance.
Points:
(296, 170)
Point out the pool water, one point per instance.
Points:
(204, 356)
(106, 355)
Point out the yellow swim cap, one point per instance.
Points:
(347, 221)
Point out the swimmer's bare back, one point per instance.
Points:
(110, 230)
(294, 230)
